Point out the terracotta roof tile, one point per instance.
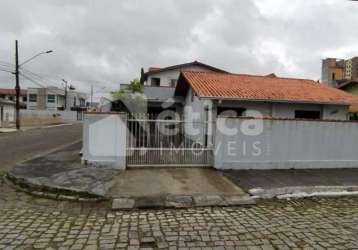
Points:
(252, 87)
(153, 69)
(3, 91)
(353, 109)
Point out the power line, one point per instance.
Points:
(6, 70)
(39, 84)
(41, 78)
(9, 64)
(57, 78)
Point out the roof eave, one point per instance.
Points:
(146, 74)
(271, 100)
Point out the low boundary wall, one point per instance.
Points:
(44, 117)
(285, 144)
(104, 139)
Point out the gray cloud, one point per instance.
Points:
(107, 42)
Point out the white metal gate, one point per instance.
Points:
(167, 143)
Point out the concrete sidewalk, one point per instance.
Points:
(175, 181)
(60, 175)
(175, 187)
(276, 183)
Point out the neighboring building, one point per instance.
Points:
(159, 84)
(53, 98)
(342, 74)
(337, 71)
(7, 112)
(272, 97)
(10, 94)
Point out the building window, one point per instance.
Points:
(51, 98)
(173, 83)
(32, 98)
(155, 82)
(24, 98)
(307, 114)
(231, 112)
(11, 98)
(333, 76)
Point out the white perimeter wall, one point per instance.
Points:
(104, 139)
(285, 144)
(8, 114)
(42, 117)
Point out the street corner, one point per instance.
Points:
(60, 175)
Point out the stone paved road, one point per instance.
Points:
(20, 146)
(33, 223)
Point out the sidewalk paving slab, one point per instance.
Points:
(60, 175)
(62, 171)
(293, 183)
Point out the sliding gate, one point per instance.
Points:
(167, 143)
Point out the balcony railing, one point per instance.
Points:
(155, 93)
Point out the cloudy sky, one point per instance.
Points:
(105, 43)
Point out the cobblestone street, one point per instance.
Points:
(27, 222)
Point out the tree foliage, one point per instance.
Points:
(130, 98)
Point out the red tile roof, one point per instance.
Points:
(353, 109)
(23, 92)
(263, 88)
(153, 69)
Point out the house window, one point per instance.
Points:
(32, 98)
(173, 83)
(307, 114)
(155, 82)
(230, 112)
(51, 98)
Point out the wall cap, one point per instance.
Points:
(287, 119)
(105, 113)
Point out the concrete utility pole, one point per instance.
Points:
(65, 93)
(91, 96)
(17, 86)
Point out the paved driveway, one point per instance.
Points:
(174, 181)
(19, 146)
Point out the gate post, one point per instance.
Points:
(104, 139)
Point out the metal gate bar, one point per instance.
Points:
(155, 142)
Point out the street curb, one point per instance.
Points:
(48, 152)
(48, 126)
(180, 201)
(297, 192)
(50, 193)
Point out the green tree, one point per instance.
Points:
(129, 99)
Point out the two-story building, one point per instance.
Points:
(54, 98)
(159, 85)
(10, 95)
